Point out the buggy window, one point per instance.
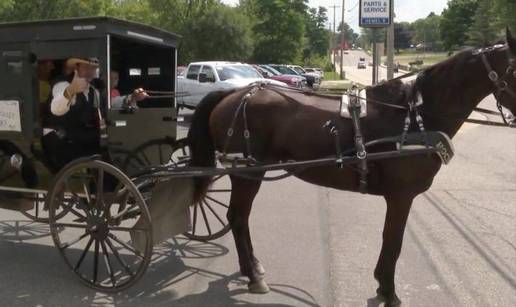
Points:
(193, 72)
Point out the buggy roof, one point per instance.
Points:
(84, 28)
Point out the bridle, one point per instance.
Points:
(501, 86)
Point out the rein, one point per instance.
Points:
(165, 94)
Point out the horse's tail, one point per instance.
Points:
(202, 147)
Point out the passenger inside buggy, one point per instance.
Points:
(72, 113)
(71, 120)
(119, 101)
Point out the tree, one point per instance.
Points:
(316, 34)
(6, 4)
(368, 36)
(21, 10)
(349, 35)
(279, 34)
(402, 35)
(220, 33)
(426, 31)
(457, 18)
(483, 31)
(505, 10)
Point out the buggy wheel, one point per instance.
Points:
(208, 217)
(105, 235)
(38, 213)
(152, 153)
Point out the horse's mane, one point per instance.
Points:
(449, 72)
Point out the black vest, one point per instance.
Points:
(83, 115)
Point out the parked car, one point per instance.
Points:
(202, 78)
(312, 80)
(316, 71)
(291, 80)
(362, 64)
(315, 78)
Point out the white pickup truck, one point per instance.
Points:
(200, 78)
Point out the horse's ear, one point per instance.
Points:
(511, 41)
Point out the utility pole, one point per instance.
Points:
(390, 46)
(330, 43)
(375, 56)
(342, 76)
(334, 7)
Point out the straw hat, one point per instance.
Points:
(90, 61)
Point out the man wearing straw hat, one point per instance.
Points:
(71, 127)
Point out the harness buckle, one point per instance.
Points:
(493, 76)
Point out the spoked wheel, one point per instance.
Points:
(105, 234)
(208, 217)
(164, 152)
(209, 221)
(38, 213)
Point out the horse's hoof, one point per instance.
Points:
(258, 287)
(258, 267)
(389, 302)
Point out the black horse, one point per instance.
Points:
(287, 125)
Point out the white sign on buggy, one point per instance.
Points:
(10, 115)
(375, 13)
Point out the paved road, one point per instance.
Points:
(362, 76)
(319, 246)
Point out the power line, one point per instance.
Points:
(354, 7)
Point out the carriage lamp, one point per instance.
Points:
(16, 161)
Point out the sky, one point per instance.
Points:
(405, 10)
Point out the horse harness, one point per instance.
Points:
(352, 107)
(501, 86)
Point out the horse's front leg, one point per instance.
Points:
(398, 207)
(242, 196)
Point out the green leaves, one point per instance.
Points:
(280, 31)
(456, 20)
(264, 30)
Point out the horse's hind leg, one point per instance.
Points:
(398, 207)
(242, 196)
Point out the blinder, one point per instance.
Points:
(501, 84)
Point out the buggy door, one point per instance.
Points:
(144, 136)
(18, 102)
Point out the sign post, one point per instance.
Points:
(375, 14)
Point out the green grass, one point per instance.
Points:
(331, 75)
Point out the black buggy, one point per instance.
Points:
(97, 206)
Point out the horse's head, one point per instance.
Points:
(505, 79)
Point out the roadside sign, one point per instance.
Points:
(375, 13)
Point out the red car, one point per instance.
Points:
(271, 73)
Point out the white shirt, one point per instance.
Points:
(60, 105)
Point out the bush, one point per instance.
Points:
(322, 62)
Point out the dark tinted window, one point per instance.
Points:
(210, 74)
(271, 70)
(284, 70)
(193, 72)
